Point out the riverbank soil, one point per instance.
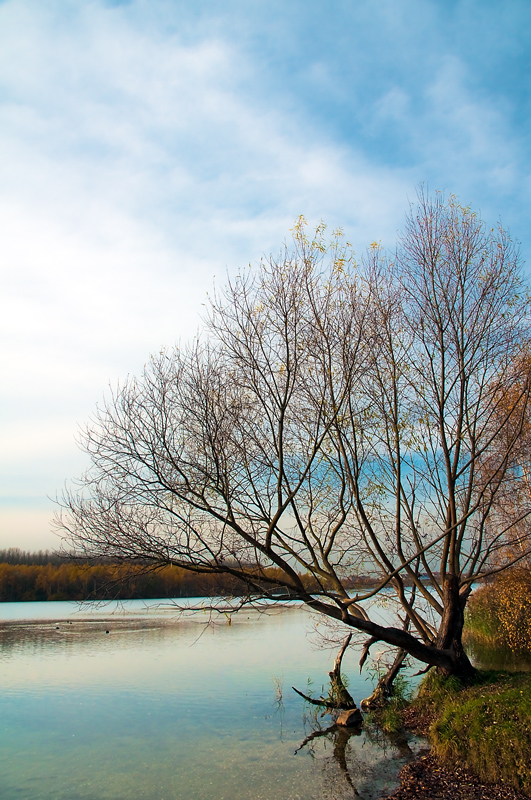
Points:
(428, 779)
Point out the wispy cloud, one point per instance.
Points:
(150, 146)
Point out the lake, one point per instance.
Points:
(134, 701)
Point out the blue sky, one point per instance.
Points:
(148, 146)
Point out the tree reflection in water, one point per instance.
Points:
(342, 782)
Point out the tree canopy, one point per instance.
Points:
(339, 417)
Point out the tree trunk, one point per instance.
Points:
(451, 660)
(450, 634)
(384, 688)
(338, 691)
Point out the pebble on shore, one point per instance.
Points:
(428, 779)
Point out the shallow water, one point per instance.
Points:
(169, 707)
(486, 657)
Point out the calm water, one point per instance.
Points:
(488, 657)
(168, 707)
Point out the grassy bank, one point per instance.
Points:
(485, 727)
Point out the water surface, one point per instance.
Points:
(133, 701)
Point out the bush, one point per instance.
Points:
(499, 613)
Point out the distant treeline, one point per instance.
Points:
(13, 555)
(77, 581)
(28, 576)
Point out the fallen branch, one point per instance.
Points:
(338, 696)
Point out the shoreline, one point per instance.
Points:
(426, 778)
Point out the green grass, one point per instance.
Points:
(482, 625)
(389, 716)
(485, 727)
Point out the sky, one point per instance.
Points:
(150, 148)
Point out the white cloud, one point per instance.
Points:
(135, 171)
(140, 159)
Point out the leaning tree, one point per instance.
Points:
(335, 420)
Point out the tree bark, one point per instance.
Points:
(338, 691)
(384, 688)
(451, 660)
(450, 633)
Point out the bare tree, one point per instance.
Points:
(333, 423)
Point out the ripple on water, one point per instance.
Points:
(164, 709)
